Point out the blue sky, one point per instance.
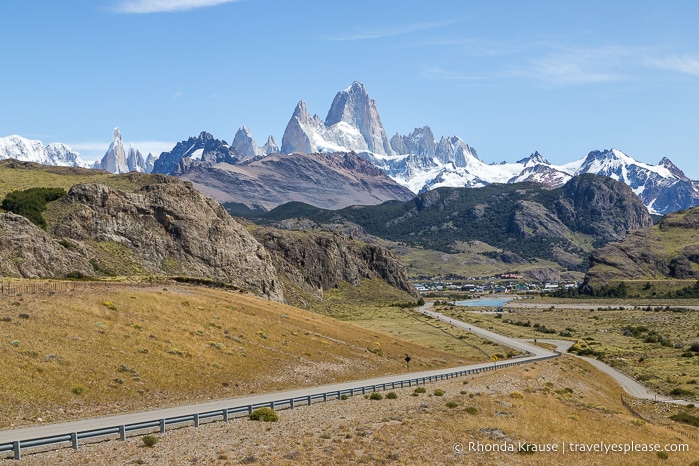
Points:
(509, 77)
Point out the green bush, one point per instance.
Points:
(420, 390)
(471, 410)
(391, 395)
(452, 404)
(375, 396)
(77, 390)
(344, 396)
(149, 440)
(686, 418)
(438, 392)
(30, 203)
(264, 414)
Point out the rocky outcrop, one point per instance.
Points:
(314, 261)
(167, 228)
(28, 251)
(669, 249)
(601, 207)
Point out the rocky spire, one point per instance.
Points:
(245, 145)
(114, 160)
(354, 107)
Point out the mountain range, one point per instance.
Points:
(417, 162)
(526, 226)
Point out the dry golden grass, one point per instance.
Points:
(107, 349)
(553, 402)
(361, 305)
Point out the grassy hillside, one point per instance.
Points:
(24, 175)
(104, 349)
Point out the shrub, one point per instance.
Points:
(77, 390)
(391, 395)
(452, 404)
(438, 392)
(264, 414)
(375, 396)
(149, 440)
(516, 395)
(420, 390)
(686, 418)
(681, 392)
(471, 410)
(30, 203)
(663, 455)
(344, 396)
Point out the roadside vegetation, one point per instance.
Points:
(657, 345)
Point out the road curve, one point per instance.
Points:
(629, 384)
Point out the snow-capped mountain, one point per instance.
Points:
(352, 124)
(28, 150)
(420, 162)
(662, 188)
(118, 160)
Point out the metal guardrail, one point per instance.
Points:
(73, 438)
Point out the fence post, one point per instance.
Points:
(122, 432)
(309, 400)
(291, 403)
(196, 420)
(74, 440)
(16, 448)
(162, 426)
(225, 415)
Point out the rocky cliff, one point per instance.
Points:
(28, 251)
(314, 261)
(166, 228)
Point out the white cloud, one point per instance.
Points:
(683, 64)
(157, 6)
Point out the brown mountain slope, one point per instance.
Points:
(669, 249)
(329, 181)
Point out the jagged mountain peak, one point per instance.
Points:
(534, 159)
(203, 150)
(674, 169)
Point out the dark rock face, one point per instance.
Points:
(667, 250)
(203, 150)
(317, 261)
(601, 207)
(169, 228)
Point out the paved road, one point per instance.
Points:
(531, 352)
